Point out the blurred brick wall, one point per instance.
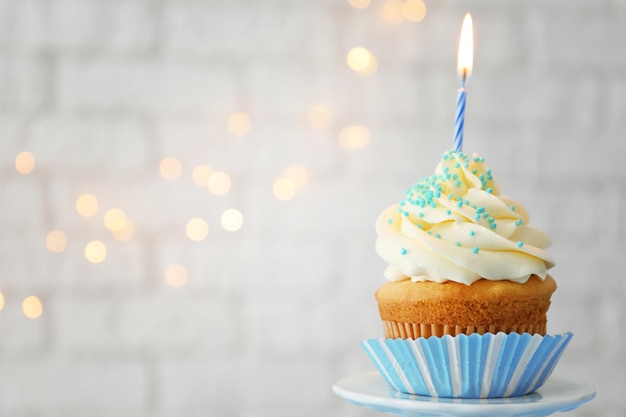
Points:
(271, 315)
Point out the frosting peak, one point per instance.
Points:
(455, 225)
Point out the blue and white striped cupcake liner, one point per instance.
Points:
(462, 366)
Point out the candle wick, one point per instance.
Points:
(463, 77)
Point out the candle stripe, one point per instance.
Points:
(459, 120)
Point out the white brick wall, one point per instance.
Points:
(101, 91)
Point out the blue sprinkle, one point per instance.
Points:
(472, 233)
(459, 203)
(455, 177)
(520, 244)
(458, 244)
(419, 226)
(448, 212)
(403, 251)
(438, 236)
(475, 250)
(458, 183)
(491, 220)
(518, 222)
(477, 217)
(389, 221)
(449, 196)
(405, 214)
(512, 208)
(493, 225)
(474, 171)
(457, 165)
(480, 209)
(420, 214)
(485, 215)
(489, 190)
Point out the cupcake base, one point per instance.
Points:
(395, 330)
(474, 366)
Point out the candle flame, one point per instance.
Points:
(466, 49)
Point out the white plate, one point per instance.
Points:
(370, 390)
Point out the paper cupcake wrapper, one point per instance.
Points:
(462, 366)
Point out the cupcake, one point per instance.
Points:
(462, 258)
(467, 289)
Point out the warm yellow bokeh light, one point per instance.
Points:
(219, 183)
(319, 117)
(359, 4)
(170, 168)
(1, 301)
(95, 251)
(362, 61)
(298, 174)
(201, 174)
(197, 229)
(56, 241)
(414, 10)
(125, 233)
(359, 58)
(354, 137)
(232, 220)
(392, 11)
(176, 276)
(284, 188)
(238, 123)
(115, 220)
(87, 205)
(25, 162)
(32, 308)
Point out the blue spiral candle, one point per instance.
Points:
(459, 119)
(464, 67)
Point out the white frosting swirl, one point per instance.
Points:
(455, 225)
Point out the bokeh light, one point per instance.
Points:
(219, 183)
(197, 229)
(87, 205)
(56, 241)
(354, 137)
(298, 174)
(32, 307)
(176, 276)
(95, 251)
(170, 168)
(232, 220)
(125, 233)
(238, 123)
(201, 174)
(414, 10)
(362, 61)
(115, 220)
(284, 188)
(1, 301)
(359, 4)
(25, 162)
(392, 11)
(319, 117)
